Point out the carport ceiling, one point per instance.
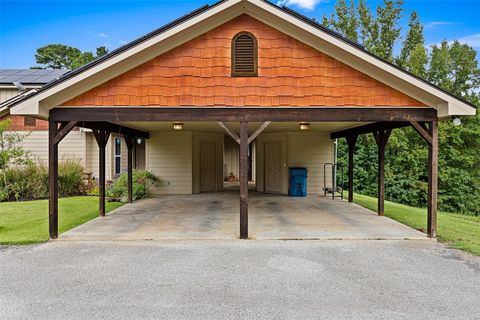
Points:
(252, 126)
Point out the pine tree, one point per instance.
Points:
(413, 55)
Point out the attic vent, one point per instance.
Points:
(244, 55)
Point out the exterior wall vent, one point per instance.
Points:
(244, 55)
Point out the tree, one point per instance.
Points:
(413, 55)
(346, 21)
(11, 151)
(387, 20)
(59, 56)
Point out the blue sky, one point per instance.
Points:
(27, 25)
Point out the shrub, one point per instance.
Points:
(31, 181)
(142, 181)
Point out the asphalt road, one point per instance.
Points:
(239, 280)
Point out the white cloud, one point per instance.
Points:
(472, 40)
(435, 24)
(122, 42)
(304, 4)
(101, 35)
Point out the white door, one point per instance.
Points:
(207, 167)
(273, 167)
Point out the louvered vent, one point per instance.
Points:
(244, 55)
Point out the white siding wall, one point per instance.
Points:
(6, 94)
(311, 150)
(93, 159)
(71, 147)
(299, 149)
(169, 157)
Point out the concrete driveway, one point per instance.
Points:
(346, 279)
(216, 216)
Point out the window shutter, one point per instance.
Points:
(244, 55)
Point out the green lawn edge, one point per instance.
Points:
(457, 230)
(26, 222)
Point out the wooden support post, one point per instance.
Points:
(52, 180)
(381, 137)
(130, 142)
(351, 141)
(101, 136)
(244, 180)
(432, 180)
(55, 135)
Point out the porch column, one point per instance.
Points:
(244, 165)
(351, 141)
(130, 142)
(101, 136)
(432, 180)
(55, 135)
(52, 180)
(381, 137)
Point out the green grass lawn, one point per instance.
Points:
(459, 231)
(27, 222)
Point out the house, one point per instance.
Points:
(249, 71)
(80, 144)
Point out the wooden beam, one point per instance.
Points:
(423, 131)
(130, 142)
(112, 127)
(258, 131)
(64, 129)
(381, 138)
(244, 165)
(351, 141)
(432, 180)
(368, 128)
(52, 180)
(229, 131)
(226, 114)
(101, 136)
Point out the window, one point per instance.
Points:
(118, 155)
(29, 121)
(244, 55)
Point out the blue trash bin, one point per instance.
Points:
(298, 182)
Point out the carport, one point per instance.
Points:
(243, 66)
(215, 216)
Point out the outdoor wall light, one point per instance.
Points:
(177, 126)
(304, 125)
(456, 121)
(139, 141)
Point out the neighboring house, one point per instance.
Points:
(228, 70)
(79, 145)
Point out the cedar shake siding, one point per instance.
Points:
(198, 73)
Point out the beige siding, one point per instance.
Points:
(93, 156)
(169, 157)
(71, 147)
(311, 150)
(231, 157)
(6, 94)
(217, 138)
(299, 149)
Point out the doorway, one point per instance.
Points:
(207, 167)
(273, 167)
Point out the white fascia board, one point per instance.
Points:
(360, 60)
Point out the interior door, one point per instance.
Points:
(207, 167)
(273, 167)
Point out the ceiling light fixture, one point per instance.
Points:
(304, 125)
(177, 126)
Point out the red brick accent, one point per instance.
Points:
(19, 125)
(197, 73)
